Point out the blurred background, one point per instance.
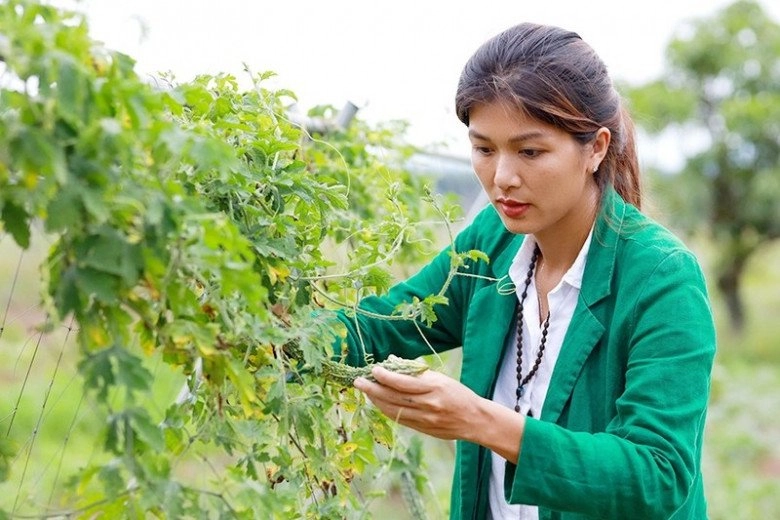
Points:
(701, 77)
(394, 59)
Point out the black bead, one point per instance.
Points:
(522, 381)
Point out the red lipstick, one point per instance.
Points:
(512, 208)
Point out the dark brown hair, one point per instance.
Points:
(556, 78)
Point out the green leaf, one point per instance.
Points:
(67, 207)
(112, 366)
(17, 222)
(378, 278)
(112, 442)
(34, 152)
(71, 91)
(98, 372)
(477, 255)
(148, 432)
(65, 289)
(197, 98)
(109, 252)
(130, 371)
(427, 311)
(182, 299)
(111, 477)
(244, 383)
(657, 105)
(100, 285)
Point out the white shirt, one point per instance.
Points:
(561, 301)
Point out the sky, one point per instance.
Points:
(397, 59)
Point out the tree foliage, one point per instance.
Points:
(722, 78)
(194, 222)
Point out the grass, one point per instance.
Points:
(742, 455)
(49, 423)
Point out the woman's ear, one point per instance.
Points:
(600, 145)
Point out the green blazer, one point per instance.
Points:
(620, 434)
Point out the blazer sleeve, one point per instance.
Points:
(646, 462)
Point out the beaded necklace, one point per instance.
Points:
(522, 381)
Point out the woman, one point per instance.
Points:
(583, 392)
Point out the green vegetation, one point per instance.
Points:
(741, 454)
(722, 82)
(188, 226)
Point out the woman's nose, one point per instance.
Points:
(506, 175)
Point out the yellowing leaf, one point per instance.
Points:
(244, 383)
(95, 334)
(278, 273)
(347, 448)
(31, 180)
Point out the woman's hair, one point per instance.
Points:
(556, 78)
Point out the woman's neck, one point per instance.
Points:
(560, 247)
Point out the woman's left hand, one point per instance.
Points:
(432, 402)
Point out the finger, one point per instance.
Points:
(410, 417)
(401, 408)
(383, 396)
(401, 382)
(387, 401)
(402, 415)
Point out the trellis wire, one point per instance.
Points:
(13, 416)
(10, 296)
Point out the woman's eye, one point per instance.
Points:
(483, 150)
(529, 152)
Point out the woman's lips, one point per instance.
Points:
(511, 208)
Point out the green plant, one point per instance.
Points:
(195, 224)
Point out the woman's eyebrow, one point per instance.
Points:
(533, 134)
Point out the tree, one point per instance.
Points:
(722, 81)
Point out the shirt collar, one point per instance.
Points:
(573, 277)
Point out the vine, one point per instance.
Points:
(196, 224)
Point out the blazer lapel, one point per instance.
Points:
(489, 323)
(585, 329)
(583, 335)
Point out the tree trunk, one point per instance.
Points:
(729, 283)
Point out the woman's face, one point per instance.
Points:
(539, 178)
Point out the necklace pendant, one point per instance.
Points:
(520, 392)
